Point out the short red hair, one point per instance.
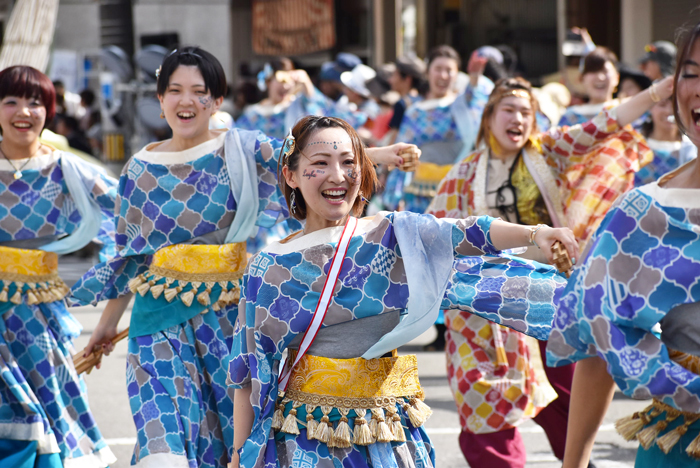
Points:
(27, 82)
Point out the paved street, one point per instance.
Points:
(109, 402)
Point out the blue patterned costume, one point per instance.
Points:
(276, 121)
(43, 402)
(585, 112)
(668, 156)
(643, 262)
(282, 287)
(445, 130)
(175, 376)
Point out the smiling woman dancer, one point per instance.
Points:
(641, 274)
(50, 202)
(345, 403)
(564, 177)
(185, 207)
(600, 79)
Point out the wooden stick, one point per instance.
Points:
(561, 259)
(87, 363)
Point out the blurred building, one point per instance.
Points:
(377, 31)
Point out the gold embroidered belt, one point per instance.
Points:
(192, 271)
(427, 178)
(639, 425)
(353, 388)
(30, 274)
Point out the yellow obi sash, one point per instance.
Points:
(639, 425)
(197, 267)
(427, 178)
(32, 274)
(380, 386)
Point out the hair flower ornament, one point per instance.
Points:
(158, 72)
(288, 147)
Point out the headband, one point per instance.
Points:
(521, 93)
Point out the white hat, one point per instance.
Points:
(357, 78)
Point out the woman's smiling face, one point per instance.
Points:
(187, 104)
(22, 119)
(328, 177)
(511, 124)
(688, 93)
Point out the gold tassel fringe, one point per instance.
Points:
(629, 426)
(418, 412)
(290, 422)
(693, 449)
(324, 430)
(362, 434)
(278, 417)
(667, 441)
(383, 433)
(395, 424)
(341, 436)
(311, 423)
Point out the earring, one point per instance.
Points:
(362, 197)
(293, 201)
(162, 114)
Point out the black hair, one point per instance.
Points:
(596, 60)
(192, 56)
(88, 97)
(685, 41)
(444, 51)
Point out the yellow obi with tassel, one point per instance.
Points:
(30, 276)
(184, 280)
(648, 425)
(370, 400)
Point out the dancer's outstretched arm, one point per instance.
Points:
(509, 236)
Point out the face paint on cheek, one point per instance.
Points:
(311, 174)
(354, 175)
(206, 101)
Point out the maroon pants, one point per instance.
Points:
(506, 449)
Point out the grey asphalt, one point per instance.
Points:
(110, 405)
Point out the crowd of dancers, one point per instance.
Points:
(279, 257)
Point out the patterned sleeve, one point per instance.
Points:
(103, 190)
(566, 146)
(477, 96)
(110, 278)
(238, 361)
(254, 359)
(629, 281)
(471, 236)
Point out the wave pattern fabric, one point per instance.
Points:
(282, 287)
(643, 262)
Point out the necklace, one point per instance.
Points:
(18, 172)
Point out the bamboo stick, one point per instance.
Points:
(87, 363)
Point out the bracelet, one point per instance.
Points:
(533, 232)
(652, 93)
